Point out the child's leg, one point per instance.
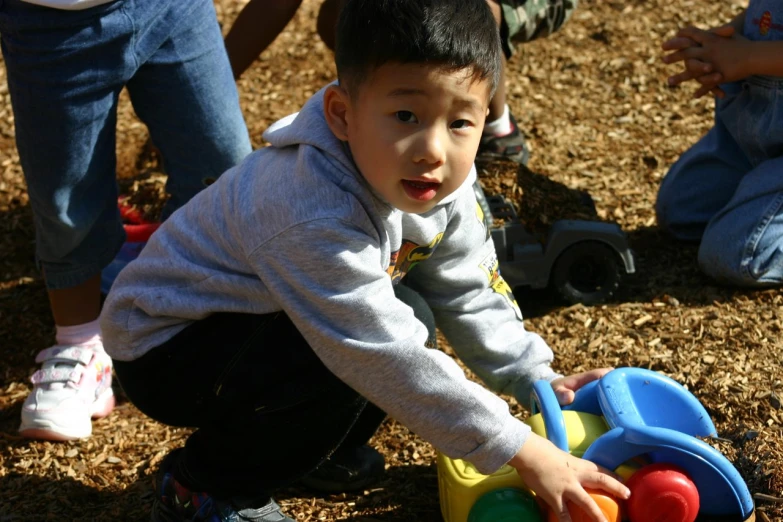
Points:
(64, 79)
(65, 71)
(743, 243)
(700, 184)
(184, 91)
(518, 21)
(267, 410)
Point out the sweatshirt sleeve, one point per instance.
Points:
(343, 303)
(476, 309)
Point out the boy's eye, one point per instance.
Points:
(460, 124)
(406, 116)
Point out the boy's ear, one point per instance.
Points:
(336, 106)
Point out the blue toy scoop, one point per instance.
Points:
(651, 415)
(638, 397)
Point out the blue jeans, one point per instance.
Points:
(65, 73)
(726, 192)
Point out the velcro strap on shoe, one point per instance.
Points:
(66, 353)
(63, 374)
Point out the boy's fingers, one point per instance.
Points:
(583, 500)
(606, 482)
(701, 91)
(698, 66)
(697, 35)
(710, 80)
(704, 90)
(709, 84)
(685, 55)
(674, 57)
(564, 396)
(561, 512)
(610, 473)
(580, 379)
(677, 43)
(677, 79)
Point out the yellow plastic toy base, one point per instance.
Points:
(461, 484)
(581, 428)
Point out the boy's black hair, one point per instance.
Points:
(454, 34)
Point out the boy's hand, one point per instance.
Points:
(566, 386)
(687, 46)
(559, 478)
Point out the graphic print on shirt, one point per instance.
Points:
(765, 23)
(489, 265)
(763, 20)
(480, 216)
(403, 260)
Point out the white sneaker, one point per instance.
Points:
(72, 387)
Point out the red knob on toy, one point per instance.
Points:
(662, 493)
(606, 503)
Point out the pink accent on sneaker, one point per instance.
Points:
(75, 353)
(72, 387)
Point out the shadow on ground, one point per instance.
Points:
(29, 498)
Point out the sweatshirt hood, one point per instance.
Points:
(309, 127)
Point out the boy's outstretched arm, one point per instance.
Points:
(560, 478)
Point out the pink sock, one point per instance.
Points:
(80, 334)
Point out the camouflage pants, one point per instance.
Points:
(526, 20)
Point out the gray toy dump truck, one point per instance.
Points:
(584, 261)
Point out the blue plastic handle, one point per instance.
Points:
(544, 400)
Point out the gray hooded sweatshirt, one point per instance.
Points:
(295, 227)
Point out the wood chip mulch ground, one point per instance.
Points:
(600, 120)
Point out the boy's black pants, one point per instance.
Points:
(266, 409)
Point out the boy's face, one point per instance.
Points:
(414, 131)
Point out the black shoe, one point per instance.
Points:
(346, 470)
(511, 147)
(176, 503)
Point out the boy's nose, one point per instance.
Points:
(430, 148)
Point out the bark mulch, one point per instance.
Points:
(600, 120)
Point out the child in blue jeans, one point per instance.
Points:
(67, 61)
(726, 192)
(289, 306)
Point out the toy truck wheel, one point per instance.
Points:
(587, 272)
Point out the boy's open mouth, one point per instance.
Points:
(420, 190)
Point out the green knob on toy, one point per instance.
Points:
(505, 505)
